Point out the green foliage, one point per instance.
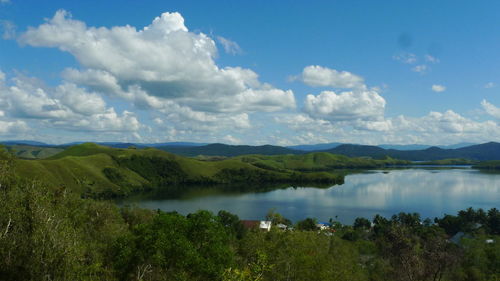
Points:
(362, 223)
(158, 171)
(471, 220)
(277, 218)
(307, 224)
(174, 247)
(488, 165)
(232, 224)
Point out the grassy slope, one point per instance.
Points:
(81, 168)
(33, 152)
(318, 161)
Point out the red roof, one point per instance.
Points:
(250, 224)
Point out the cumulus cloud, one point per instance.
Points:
(301, 122)
(354, 105)
(230, 46)
(66, 106)
(434, 128)
(318, 76)
(438, 88)
(164, 61)
(12, 127)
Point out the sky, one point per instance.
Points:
(250, 72)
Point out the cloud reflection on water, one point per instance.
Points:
(428, 192)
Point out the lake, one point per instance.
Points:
(430, 192)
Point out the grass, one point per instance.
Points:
(81, 168)
(33, 152)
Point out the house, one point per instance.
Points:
(265, 225)
(281, 226)
(250, 224)
(255, 224)
(323, 225)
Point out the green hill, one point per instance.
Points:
(99, 171)
(32, 152)
(317, 161)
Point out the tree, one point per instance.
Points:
(277, 218)
(308, 224)
(361, 223)
(232, 223)
(494, 221)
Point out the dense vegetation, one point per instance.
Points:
(51, 233)
(488, 165)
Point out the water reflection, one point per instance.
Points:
(428, 192)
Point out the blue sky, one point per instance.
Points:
(250, 72)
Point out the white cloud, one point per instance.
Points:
(489, 85)
(4, 1)
(303, 122)
(407, 58)
(318, 76)
(231, 140)
(66, 106)
(230, 46)
(422, 68)
(434, 128)
(162, 62)
(438, 88)
(491, 109)
(346, 106)
(12, 127)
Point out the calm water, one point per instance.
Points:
(428, 192)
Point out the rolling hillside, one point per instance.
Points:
(32, 152)
(100, 171)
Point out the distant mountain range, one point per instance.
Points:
(481, 152)
(109, 144)
(219, 149)
(422, 146)
(486, 151)
(315, 147)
